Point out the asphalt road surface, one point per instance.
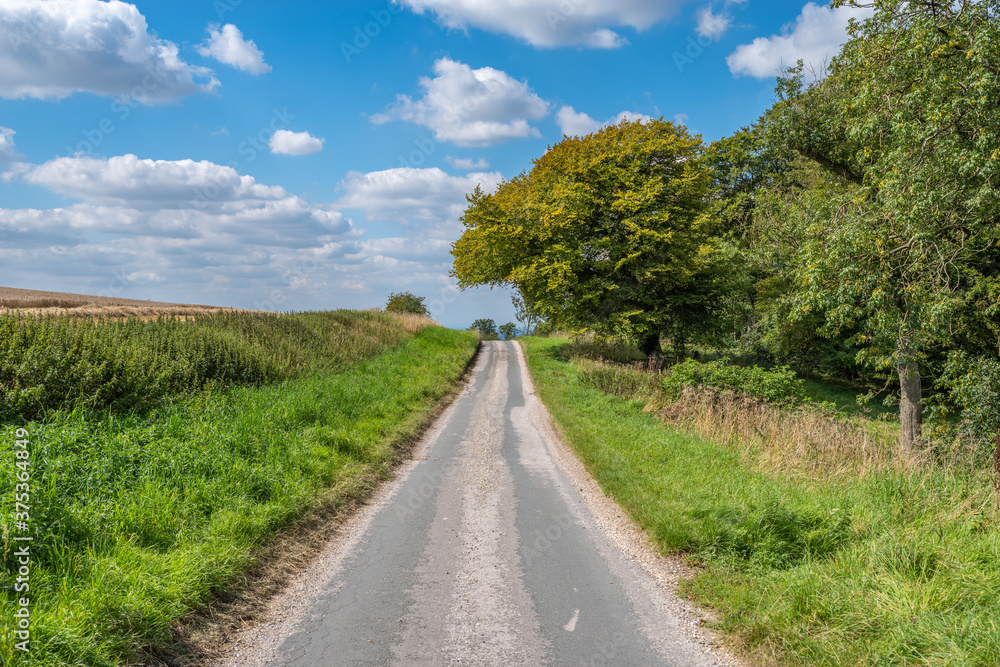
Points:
(486, 553)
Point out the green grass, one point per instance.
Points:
(845, 399)
(58, 363)
(140, 518)
(899, 566)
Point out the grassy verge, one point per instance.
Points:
(140, 518)
(64, 362)
(816, 564)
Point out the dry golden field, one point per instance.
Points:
(13, 300)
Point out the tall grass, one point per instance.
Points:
(140, 517)
(819, 544)
(60, 363)
(800, 438)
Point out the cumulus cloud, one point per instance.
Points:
(285, 142)
(227, 45)
(470, 107)
(575, 123)
(186, 223)
(815, 37)
(466, 164)
(8, 156)
(199, 232)
(711, 25)
(551, 23)
(406, 193)
(56, 48)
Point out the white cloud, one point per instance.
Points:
(198, 232)
(285, 142)
(228, 46)
(171, 218)
(551, 23)
(711, 25)
(575, 123)
(406, 193)
(8, 156)
(56, 48)
(466, 164)
(470, 107)
(681, 119)
(815, 38)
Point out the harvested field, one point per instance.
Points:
(13, 300)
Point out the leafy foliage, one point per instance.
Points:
(774, 385)
(906, 122)
(487, 328)
(508, 331)
(406, 302)
(606, 231)
(973, 392)
(526, 314)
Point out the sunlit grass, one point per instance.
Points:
(141, 517)
(807, 561)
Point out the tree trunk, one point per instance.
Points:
(910, 407)
(650, 346)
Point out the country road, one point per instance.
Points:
(492, 548)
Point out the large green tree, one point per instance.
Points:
(908, 119)
(607, 231)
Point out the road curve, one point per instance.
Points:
(485, 552)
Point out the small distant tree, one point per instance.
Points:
(508, 331)
(406, 302)
(526, 314)
(487, 329)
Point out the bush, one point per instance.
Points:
(601, 348)
(972, 392)
(775, 385)
(487, 329)
(625, 382)
(508, 331)
(405, 302)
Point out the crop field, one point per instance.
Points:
(38, 302)
(158, 458)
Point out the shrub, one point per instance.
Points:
(508, 331)
(625, 382)
(405, 302)
(775, 385)
(601, 348)
(972, 392)
(487, 329)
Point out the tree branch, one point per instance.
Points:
(839, 169)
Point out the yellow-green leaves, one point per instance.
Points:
(606, 231)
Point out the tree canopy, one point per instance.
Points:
(607, 231)
(907, 121)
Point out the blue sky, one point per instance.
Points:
(313, 155)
